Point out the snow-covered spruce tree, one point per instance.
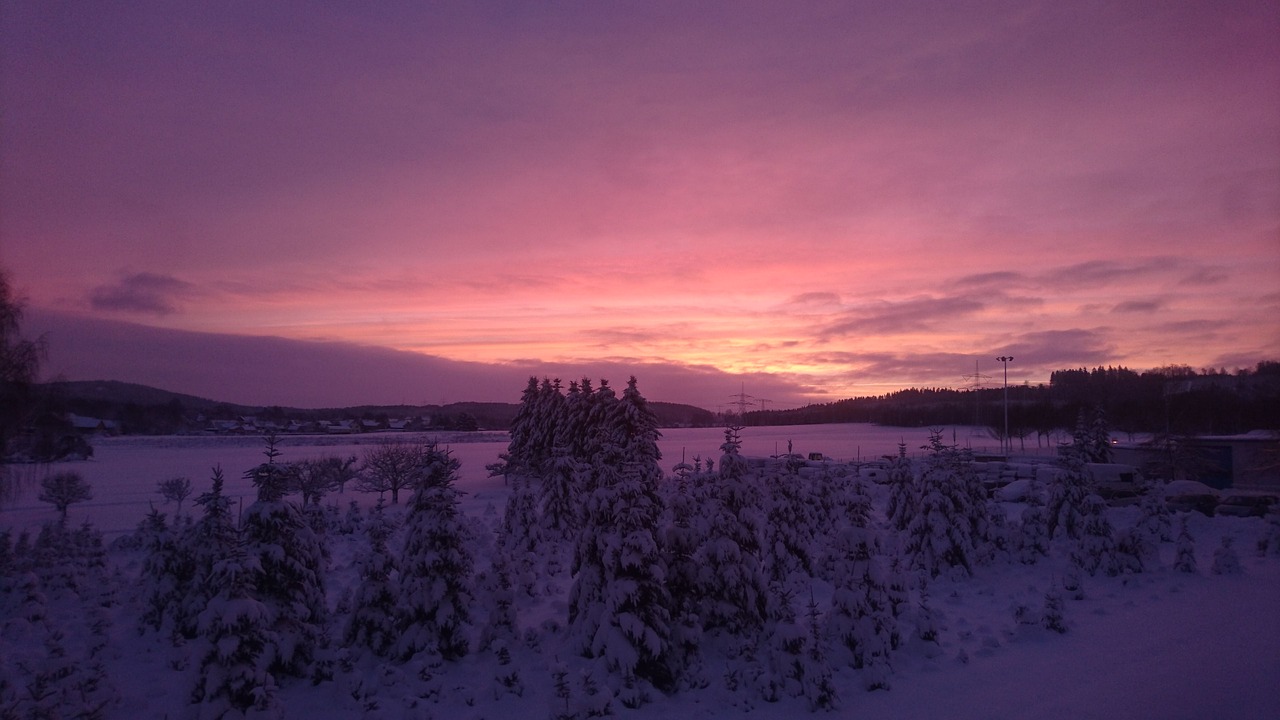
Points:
(903, 491)
(521, 533)
(435, 566)
(633, 427)
(565, 484)
(939, 536)
(518, 460)
(164, 570)
(235, 669)
(1033, 531)
(988, 526)
(815, 670)
(861, 617)
(1135, 551)
(203, 544)
(1225, 559)
(373, 613)
(353, 521)
(1186, 550)
(1068, 495)
(290, 561)
(1096, 549)
(790, 526)
(780, 651)
(548, 413)
(1156, 523)
(681, 534)
(619, 606)
(561, 494)
(1099, 437)
(500, 630)
(731, 581)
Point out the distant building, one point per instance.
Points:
(1244, 462)
(90, 425)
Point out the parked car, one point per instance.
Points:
(1188, 495)
(1245, 505)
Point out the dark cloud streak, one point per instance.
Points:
(143, 293)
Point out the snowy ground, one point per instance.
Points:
(1160, 644)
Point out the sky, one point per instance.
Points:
(323, 203)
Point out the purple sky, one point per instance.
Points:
(324, 203)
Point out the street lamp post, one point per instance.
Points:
(1008, 446)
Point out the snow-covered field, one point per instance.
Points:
(1157, 644)
(124, 470)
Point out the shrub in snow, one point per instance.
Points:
(1186, 550)
(1225, 560)
(1135, 551)
(435, 566)
(373, 623)
(578, 696)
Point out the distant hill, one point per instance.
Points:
(115, 392)
(147, 410)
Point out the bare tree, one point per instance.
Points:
(19, 366)
(64, 489)
(318, 476)
(175, 490)
(391, 466)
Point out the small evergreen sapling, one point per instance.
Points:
(1052, 617)
(1033, 533)
(1225, 559)
(372, 623)
(903, 491)
(1186, 550)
